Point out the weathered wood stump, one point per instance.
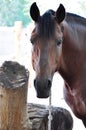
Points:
(13, 96)
(38, 115)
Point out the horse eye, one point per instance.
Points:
(59, 41)
(32, 41)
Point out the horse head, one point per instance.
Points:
(47, 39)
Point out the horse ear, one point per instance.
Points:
(34, 12)
(60, 13)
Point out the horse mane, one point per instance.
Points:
(70, 17)
(46, 25)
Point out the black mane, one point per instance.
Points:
(46, 25)
(70, 17)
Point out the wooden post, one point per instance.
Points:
(13, 96)
(18, 31)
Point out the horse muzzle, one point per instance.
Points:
(42, 87)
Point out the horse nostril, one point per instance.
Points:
(49, 83)
(42, 87)
(42, 84)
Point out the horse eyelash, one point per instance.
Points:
(32, 41)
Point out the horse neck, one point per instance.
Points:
(74, 30)
(69, 49)
(73, 48)
(69, 33)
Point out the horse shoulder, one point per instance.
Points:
(75, 99)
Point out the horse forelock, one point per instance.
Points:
(46, 25)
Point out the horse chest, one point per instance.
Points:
(75, 98)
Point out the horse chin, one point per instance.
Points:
(42, 95)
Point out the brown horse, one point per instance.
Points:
(59, 44)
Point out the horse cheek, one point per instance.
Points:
(59, 57)
(33, 62)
